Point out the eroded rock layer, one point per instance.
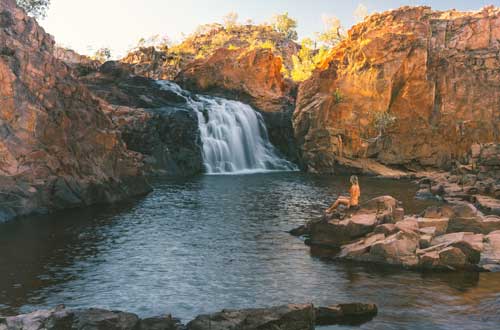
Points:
(407, 87)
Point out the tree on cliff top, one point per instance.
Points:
(333, 33)
(35, 8)
(286, 25)
(230, 20)
(102, 55)
(360, 13)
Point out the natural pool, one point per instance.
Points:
(212, 242)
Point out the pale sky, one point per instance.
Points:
(118, 24)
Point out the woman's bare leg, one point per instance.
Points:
(341, 200)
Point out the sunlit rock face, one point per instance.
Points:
(164, 63)
(57, 148)
(252, 76)
(436, 73)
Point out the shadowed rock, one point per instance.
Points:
(58, 147)
(352, 314)
(290, 317)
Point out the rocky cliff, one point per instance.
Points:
(153, 121)
(163, 62)
(411, 87)
(57, 149)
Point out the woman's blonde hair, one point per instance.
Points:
(353, 179)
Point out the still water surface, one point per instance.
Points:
(203, 244)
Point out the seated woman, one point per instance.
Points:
(352, 201)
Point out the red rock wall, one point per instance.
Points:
(252, 76)
(437, 73)
(57, 148)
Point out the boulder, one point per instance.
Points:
(79, 319)
(338, 232)
(456, 251)
(289, 317)
(439, 212)
(490, 223)
(98, 319)
(354, 313)
(387, 229)
(160, 323)
(54, 319)
(359, 250)
(398, 214)
(464, 209)
(408, 224)
(425, 241)
(457, 224)
(452, 257)
(379, 204)
(440, 224)
(490, 258)
(471, 238)
(488, 204)
(398, 249)
(478, 224)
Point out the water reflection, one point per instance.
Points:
(209, 243)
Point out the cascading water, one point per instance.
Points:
(234, 135)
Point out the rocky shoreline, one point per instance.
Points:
(286, 317)
(451, 237)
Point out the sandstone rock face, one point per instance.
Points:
(436, 73)
(253, 77)
(153, 121)
(58, 148)
(162, 62)
(290, 317)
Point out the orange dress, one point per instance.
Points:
(355, 193)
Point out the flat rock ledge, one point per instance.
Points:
(286, 317)
(451, 237)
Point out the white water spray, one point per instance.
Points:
(234, 136)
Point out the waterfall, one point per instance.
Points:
(234, 136)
